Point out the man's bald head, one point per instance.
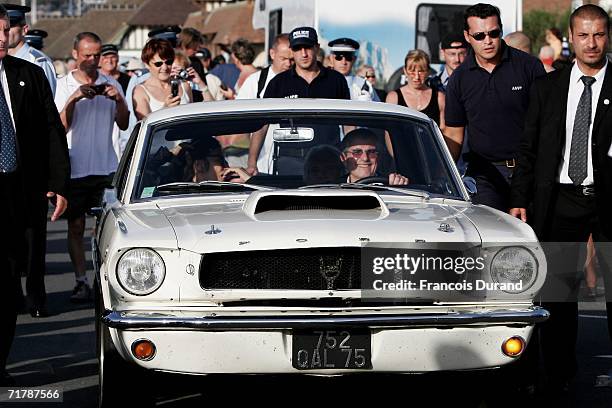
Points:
(519, 40)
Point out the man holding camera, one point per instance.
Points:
(89, 103)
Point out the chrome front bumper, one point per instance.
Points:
(142, 320)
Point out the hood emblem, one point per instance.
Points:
(213, 230)
(444, 227)
(330, 270)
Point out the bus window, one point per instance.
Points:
(434, 22)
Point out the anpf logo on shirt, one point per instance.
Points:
(517, 87)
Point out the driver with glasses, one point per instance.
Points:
(360, 157)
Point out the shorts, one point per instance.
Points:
(85, 193)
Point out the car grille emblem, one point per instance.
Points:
(213, 230)
(330, 270)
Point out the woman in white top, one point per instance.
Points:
(156, 92)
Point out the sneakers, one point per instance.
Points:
(81, 293)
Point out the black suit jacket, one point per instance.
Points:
(543, 144)
(43, 161)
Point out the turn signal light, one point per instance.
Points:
(143, 349)
(514, 346)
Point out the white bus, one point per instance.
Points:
(385, 29)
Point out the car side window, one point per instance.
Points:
(120, 180)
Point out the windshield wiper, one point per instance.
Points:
(209, 185)
(375, 187)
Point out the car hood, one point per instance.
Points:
(288, 219)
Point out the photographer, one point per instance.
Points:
(161, 90)
(90, 103)
(183, 70)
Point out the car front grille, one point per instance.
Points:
(307, 269)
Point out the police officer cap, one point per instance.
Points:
(109, 49)
(453, 41)
(303, 36)
(343, 45)
(17, 13)
(166, 33)
(35, 38)
(37, 33)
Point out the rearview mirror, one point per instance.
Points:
(299, 134)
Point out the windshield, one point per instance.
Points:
(210, 155)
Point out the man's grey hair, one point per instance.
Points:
(283, 37)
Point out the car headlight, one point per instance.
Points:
(514, 265)
(141, 271)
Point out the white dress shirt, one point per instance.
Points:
(573, 97)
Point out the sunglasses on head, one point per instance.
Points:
(346, 55)
(168, 62)
(482, 35)
(357, 153)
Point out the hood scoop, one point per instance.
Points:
(261, 205)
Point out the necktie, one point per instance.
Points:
(577, 170)
(8, 152)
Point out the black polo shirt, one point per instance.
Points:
(328, 84)
(492, 106)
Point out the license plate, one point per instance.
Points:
(331, 349)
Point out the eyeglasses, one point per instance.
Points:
(357, 153)
(370, 76)
(483, 34)
(417, 72)
(168, 62)
(344, 55)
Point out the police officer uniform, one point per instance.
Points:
(359, 87)
(26, 52)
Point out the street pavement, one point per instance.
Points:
(59, 351)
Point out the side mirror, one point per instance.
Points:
(470, 185)
(299, 134)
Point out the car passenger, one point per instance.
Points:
(360, 156)
(323, 165)
(209, 163)
(200, 160)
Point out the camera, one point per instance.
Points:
(184, 75)
(174, 86)
(99, 89)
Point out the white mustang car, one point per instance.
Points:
(354, 248)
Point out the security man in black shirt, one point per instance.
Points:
(306, 79)
(489, 95)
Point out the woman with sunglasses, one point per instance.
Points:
(416, 94)
(156, 92)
